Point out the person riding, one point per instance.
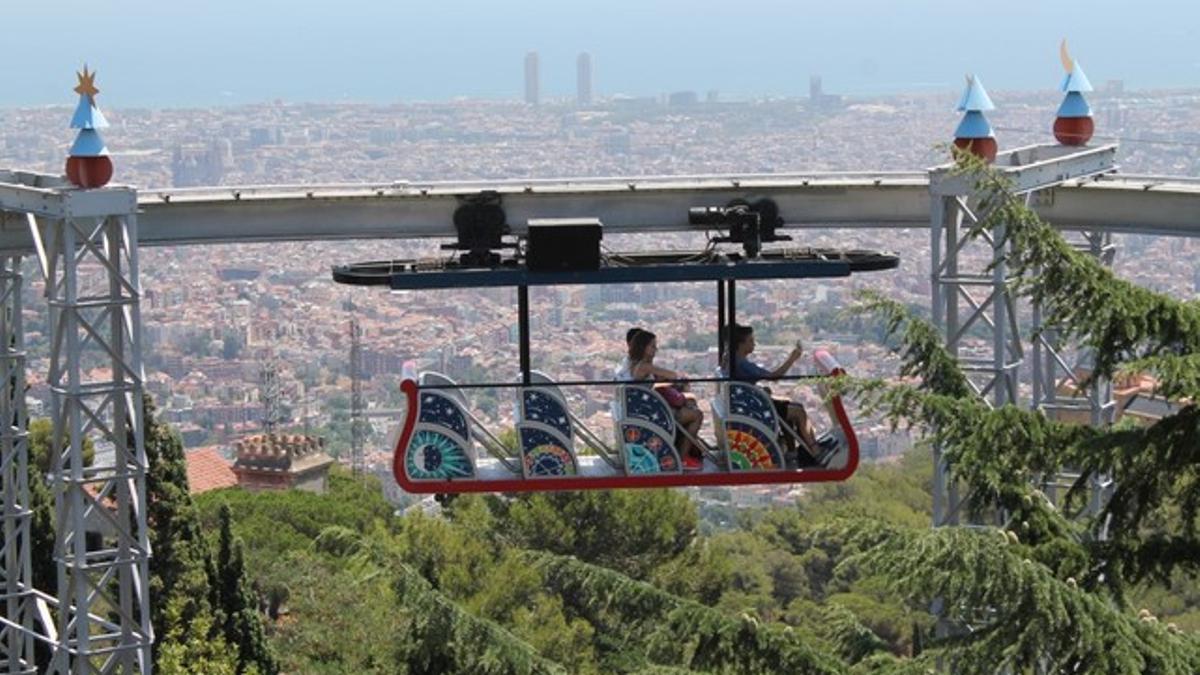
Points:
(742, 344)
(639, 367)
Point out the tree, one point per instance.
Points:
(181, 569)
(1054, 590)
(243, 626)
(187, 609)
(632, 531)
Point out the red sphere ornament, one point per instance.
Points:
(89, 172)
(1073, 130)
(984, 148)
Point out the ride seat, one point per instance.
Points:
(644, 427)
(441, 447)
(749, 428)
(544, 430)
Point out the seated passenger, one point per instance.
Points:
(622, 373)
(639, 365)
(742, 344)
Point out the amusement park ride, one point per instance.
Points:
(436, 447)
(85, 236)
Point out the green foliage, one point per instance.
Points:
(677, 632)
(921, 347)
(1043, 603)
(441, 636)
(854, 640)
(188, 647)
(41, 437)
(703, 572)
(41, 533)
(1022, 615)
(632, 531)
(243, 627)
(336, 622)
(194, 598)
(181, 568)
(278, 522)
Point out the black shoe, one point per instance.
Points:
(827, 447)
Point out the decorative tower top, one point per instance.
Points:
(974, 133)
(88, 165)
(1074, 124)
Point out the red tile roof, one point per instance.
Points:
(208, 470)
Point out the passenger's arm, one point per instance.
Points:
(782, 370)
(643, 370)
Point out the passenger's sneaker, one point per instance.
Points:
(691, 463)
(827, 444)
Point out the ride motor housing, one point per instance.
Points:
(563, 244)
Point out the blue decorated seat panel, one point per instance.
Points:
(646, 451)
(643, 403)
(748, 401)
(540, 406)
(433, 454)
(438, 409)
(544, 453)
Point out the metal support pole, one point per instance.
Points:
(1091, 405)
(16, 626)
(523, 331)
(731, 299)
(1002, 390)
(102, 545)
(722, 330)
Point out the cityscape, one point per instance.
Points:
(215, 317)
(200, 470)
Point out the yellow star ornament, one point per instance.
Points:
(87, 85)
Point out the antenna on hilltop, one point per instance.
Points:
(357, 421)
(268, 377)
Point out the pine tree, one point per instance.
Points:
(243, 624)
(181, 612)
(1048, 590)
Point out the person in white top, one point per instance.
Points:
(639, 367)
(624, 372)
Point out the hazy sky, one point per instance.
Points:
(167, 53)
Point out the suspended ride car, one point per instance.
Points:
(443, 448)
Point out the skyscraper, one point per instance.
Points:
(531, 78)
(583, 79)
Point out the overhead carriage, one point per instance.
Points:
(444, 448)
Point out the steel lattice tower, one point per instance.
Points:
(20, 599)
(268, 392)
(357, 407)
(970, 285)
(88, 255)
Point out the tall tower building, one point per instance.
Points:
(814, 89)
(583, 79)
(531, 78)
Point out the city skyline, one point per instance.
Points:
(157, 56)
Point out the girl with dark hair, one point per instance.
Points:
(740, 367)
(639, 367)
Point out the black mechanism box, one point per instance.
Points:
(563, 244)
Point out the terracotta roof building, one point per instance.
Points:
(208, 470)
(282, 461)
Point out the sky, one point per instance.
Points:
(169, 53)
